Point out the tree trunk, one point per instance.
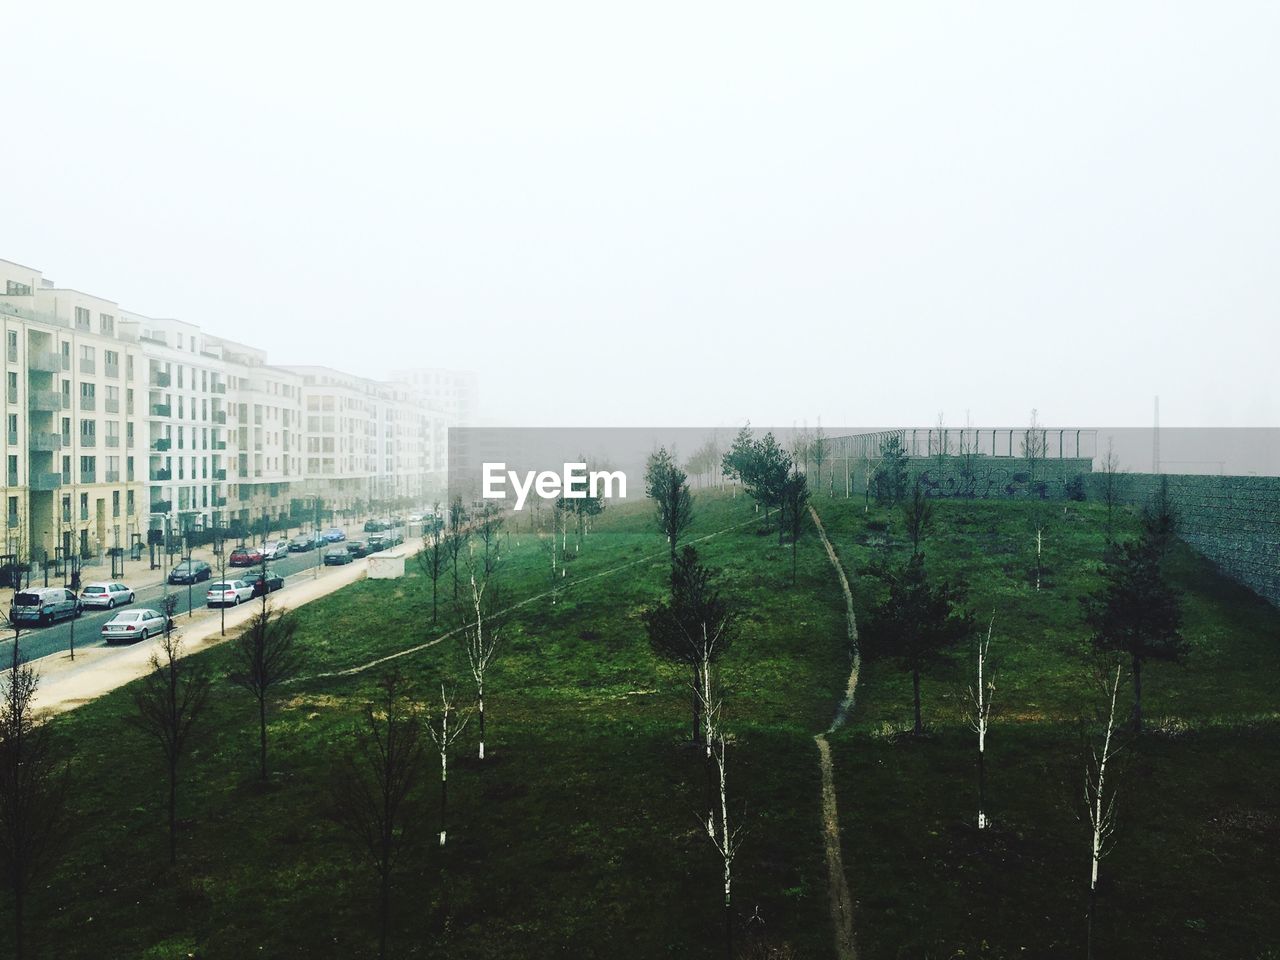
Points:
(444, 792)
(697, 706)
(173, 814)
(1137, 695)
(915, 687)
(982, 790)
(262, 732)
(1088, 932)
(384, 911)
(481, 711)
(17, 916)
(434, 582)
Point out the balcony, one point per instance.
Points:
(219, 445)
(45, 481)
(161, 506)
(160, 379)
(112, 476)
(88, 476)
(88, 402)
(112, 441)
(161, 475)
(219, 474)
(44, 442)
(88, 439)
(164, 443)
(218, 388)
(44, 401)
(44, 361)
(219, 501)
(88, 366)
(112, 370)
(161, 410)
(111, 406)
(219, 416)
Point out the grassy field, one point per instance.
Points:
(1194, 871)
(577, 836)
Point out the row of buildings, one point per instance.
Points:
(117, 424)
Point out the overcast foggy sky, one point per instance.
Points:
(684, 214)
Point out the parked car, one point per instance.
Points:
(375, 526)
(44, 605)
(306, 541)
(133, 625)
(335, 556)
(190, 571)
(275, 549)
(334, 535)
(228, 593)
(377, 541)
(357, 548)
(268, 584)
(244, 556)
(109, 595)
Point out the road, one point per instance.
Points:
(35, 642)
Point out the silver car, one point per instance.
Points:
(275, 549)
(133, 625)
(228, 593)
(108, 595)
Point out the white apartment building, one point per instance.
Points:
(454, 393)
(72, 385)
(267, 439)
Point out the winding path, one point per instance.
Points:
(837, 882)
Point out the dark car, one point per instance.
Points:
(357, 548)
(375, 526)
(377, 541)
(243, 556)
(190, 571)
(269, 583)
(334, 535)
(336, 556)
(306, 541)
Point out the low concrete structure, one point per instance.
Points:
(387, 564)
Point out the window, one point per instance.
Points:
(13, 427)
(107, 324)
(128, 498)
(14, 289)
(88, 396)
(88, 433)
(11, 387)
(13, 470)
(115, 503)
(66, 354)
(82, 318)
(88, 359)
(12, 346)
(66, 509)
(88, 470)
(112, 404)
(66, 431)
(84, 506)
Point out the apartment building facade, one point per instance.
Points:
(118, 424)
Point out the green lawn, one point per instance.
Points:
(1194, 871)
(577, 837)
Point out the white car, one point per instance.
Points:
(107, 595)
(228, 593)
(133, 625)
(275, 549)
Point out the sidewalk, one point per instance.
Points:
(66, 684)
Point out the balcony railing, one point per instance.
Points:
(113, 441)
(160, 379)
(88, 366)
(88, 439)
(161, 506)
(164, 443)
(219, 416)
(13, 438)
(112, 370)
(219, 445)
(88, 402)
(219, 501)
(44, 442)
(44, 361)
(14, 520)
(88, 476)
(161, 410)
(112, 476)
(13, 478)
(45, 481)
(111, 406)
(158, 476)
(218, 388)
(47, 401)
(219, 474)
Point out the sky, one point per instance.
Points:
(680, 214)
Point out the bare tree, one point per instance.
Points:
(445, 728)
(917, 513)
(819, 452)
(457, 537)
(1112, 485)
(980, 696)
(169, 701)
(33, 790)
(1099, 803)
(262, 657)
(432, 560)
(724, 836)
(488, 526)
(372, 783)
(480, 635)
